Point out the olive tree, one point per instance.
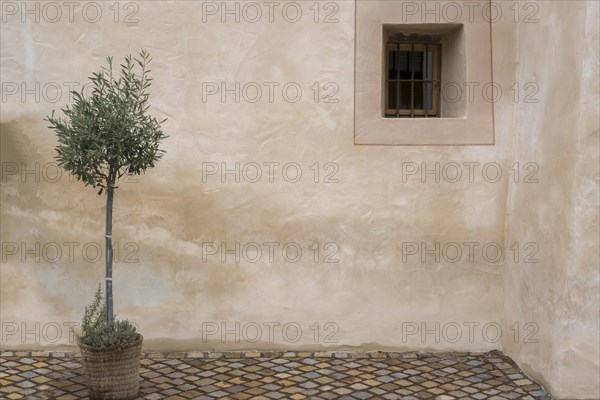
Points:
(108, 133)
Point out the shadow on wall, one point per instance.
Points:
(15, 147)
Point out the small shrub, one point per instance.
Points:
(97, 332)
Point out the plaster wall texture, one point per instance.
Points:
(560, 293)
(374, 295)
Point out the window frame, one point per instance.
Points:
(466, 57)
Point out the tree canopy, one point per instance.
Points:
(109, 133)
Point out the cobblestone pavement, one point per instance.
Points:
(282, 375)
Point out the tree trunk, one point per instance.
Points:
(109, 248)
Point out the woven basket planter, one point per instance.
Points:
(112, 374)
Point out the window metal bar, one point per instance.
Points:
(397, 80)
(426, 76)
(412, 84)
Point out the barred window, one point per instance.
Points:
(412, 77)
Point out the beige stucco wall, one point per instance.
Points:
(560, 293)
(372, 297)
